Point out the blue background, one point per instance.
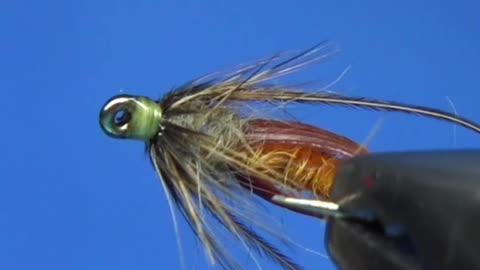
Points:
(72, 198)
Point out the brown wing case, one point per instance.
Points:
(297, 156)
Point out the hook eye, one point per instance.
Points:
(122, 117)
(117, 116)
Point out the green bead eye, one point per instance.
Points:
(131, 117)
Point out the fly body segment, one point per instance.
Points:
(216, 154)
(299, 158)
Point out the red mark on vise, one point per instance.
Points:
(369, 181)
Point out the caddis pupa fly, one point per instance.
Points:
(216, 153)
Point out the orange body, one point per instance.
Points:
(298, 156)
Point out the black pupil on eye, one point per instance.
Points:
(122, 117)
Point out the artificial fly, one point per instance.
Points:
(216, 153)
